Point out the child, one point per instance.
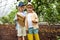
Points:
(19, 19)
(31, 23)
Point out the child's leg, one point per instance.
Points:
(20, 38)
(25, 38)
(30, 34)
(36, 35)
(19, 33)
(24, 33)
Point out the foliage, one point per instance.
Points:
(48, 9)
(9, 18)
(58, 37)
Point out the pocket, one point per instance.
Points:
(30, 30)
(35, 31)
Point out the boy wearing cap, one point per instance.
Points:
(31, 23)
(20, 21)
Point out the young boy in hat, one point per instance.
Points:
(31, 23)
(20, 21)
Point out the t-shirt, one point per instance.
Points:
(29, 19)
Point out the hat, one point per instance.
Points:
(20, 4)
(29, 3)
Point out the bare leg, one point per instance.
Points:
(24, 38)
(19, 38)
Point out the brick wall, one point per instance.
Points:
(8, 32)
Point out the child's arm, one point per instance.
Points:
(35, 18)
(26, 24)
(20, 16)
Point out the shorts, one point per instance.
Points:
(32, 30)
(21, 31)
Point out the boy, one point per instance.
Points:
(31, 23)
(19, 19)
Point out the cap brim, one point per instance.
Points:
(21, 5)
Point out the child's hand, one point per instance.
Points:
(35, 21)
(27, 31)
